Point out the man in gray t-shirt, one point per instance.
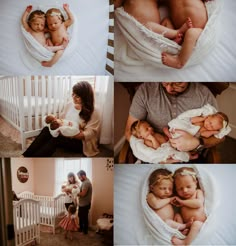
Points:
(85, 197)
(158, 103)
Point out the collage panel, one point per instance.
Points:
(57, 201)
(143, 195)
(80, 44)
(59, 116)
(175, 41)
(174, 122)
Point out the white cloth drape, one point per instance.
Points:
(104, 87)
(64, 166)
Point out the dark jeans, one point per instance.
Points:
(83, 218)
(45, 145)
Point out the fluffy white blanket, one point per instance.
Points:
(159, 229)
(183, 121)
(36, 52)
(148, 45)
(161, 154)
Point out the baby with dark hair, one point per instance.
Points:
(57, 126)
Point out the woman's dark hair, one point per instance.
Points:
(71, 175)
(84, 90)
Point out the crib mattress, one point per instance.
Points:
(128, 183)
(218, 66)
(89, 56)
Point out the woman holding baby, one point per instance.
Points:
(81, 110)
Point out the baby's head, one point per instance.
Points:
(216, 122)
(36, 20)
(50, 118)
(56, 124)
(186, 182)
(72, 209)
(141, 129)
(54, 18)
(161, 183)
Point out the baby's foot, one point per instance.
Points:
(171, 60)
(190, 222)
(177, 241)
(179, 38)
(46, 64)
(188, 24)
(185, 231)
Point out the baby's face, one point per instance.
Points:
(185, 186)
(53, 22)
(60, 122)
(164, 189)
(145, 130)
(38, 24)
(213, 123)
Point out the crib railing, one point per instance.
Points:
(25, 100)
(50, 207)
(26, 221)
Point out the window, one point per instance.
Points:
(64, 166)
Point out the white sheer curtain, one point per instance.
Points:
(104, 91)
(64, 166)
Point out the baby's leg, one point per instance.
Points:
(194, 230)
(177, 225)
(55, 48)
(178, 61)
(55, 58)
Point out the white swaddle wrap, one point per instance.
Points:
(161, 154)
(148, 45)
(159, 229)
(38, 53)
(183, 121)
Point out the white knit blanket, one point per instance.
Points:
(38, 53)
(159, 229)
(148, 45)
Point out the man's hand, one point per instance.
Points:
(185, 142)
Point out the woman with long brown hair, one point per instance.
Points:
(81, 109)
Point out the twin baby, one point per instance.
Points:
(207, 126)
(61, 126)
(37, 23)
(189, 198)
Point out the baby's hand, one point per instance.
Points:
(176, 202)
(65, 5)
(29, 8)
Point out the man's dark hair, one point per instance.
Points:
(81, 173)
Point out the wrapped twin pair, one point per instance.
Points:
(201, 122)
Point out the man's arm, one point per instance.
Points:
(187, 142)
(83, 192)
(70, 19)
(129, 122)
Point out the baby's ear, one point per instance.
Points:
(151, 187)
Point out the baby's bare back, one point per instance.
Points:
(143, 10)
(181, 9)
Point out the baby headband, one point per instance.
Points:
(187, 172)
(55, 14)
(161, 177)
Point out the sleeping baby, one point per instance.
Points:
(57, 126)
(160, 199)
(201, 122)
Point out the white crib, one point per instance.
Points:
(50, 207)
(24, 100)
(26, 221)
